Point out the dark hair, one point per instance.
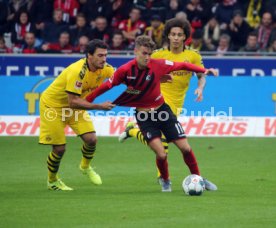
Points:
(94, 44)
(81, 15)
(19, 13)
(174, 22)
(144, 41)
(253, 33)
(117, 32)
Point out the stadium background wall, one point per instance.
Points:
(245, 91)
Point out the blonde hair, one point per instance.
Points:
(144, 41)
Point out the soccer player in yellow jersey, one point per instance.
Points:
(176, 31)
(62, 104)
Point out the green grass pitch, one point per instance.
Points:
(243, 168)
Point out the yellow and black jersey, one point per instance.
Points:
(175, 92)
(76, 79)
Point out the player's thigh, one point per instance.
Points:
(170, 126)
(81, 123)
(149, 128)
(51, 126)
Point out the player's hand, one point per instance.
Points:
(211, 71)
(199, 94)
(106, 105)
(166, 78)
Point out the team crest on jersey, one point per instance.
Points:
(148, 77)
(78, 84)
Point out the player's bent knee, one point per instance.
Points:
(161, 156)
(91, 141)
(59, 150)
(185, 149)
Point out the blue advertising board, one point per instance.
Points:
(237, 96)
(52, 65)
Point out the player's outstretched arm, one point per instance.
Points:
(200, 86)
(167, 78)
(97, 92)
(168, 66)
(76, 102)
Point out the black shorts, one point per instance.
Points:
(162, 120)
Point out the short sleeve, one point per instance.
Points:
(108, 71)
(74, 82)
(198, 59)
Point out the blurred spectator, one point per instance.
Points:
(211, 33)
(40, 12)
(197, 13)
(101, 30)
(117, 42)
(95, 8)
(272, 47)
(81, 45)
(62, 46)
(197, 41)
(272, 35)
(238, 30)
(181, 16)
(155, 31)
(69, 8)
(52, 30)
(151, 7)
(3, 16)
(29, 44)
(15, 6)
(224, 45)
(265, 29)
(253, 9)
(3, 47)
(132, 27)
(252, 43)
(224, 12)
(271, 7)
(79, 29)
(120, 11)
(20, 28)
(173, 7)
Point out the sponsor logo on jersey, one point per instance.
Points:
(131, 90)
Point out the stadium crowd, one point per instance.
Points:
(66, 26)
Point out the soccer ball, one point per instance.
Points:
(193, 185)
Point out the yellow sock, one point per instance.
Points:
(53, 162)
(87, 155)
(135, 132)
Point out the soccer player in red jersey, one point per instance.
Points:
(142, 77)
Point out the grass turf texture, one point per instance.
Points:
(243, 168)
